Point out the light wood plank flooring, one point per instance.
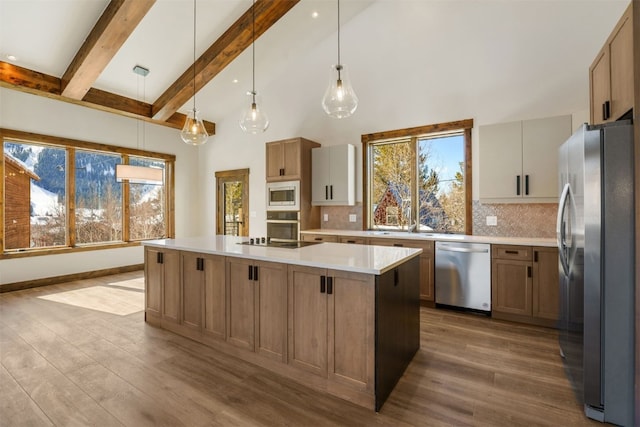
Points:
(80, 354)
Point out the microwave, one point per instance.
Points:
(283, 196)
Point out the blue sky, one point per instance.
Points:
(445, 155)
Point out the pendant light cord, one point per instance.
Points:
(253, 50)
(339, 33)
(194, 57)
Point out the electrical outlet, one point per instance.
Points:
(352, 218)
(325, 217)
(492, 220)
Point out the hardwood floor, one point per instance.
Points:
(80, 353)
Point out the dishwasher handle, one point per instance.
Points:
(460, 249)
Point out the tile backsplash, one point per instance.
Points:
(513, 220)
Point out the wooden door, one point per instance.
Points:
(271, 309)
(240, 303)
(153, 272)
(511, 286)
(351, 329)
(545, 283)
(232, 202)
(192, 291)
(274, 161)
(291, 159)
(171, 286)
(621, 57)
(307, 307)
(599, 86)
(215, 318)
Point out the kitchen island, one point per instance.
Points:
(339, 318)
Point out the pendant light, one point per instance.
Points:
(193, 132)
(254, 120)
(339, 100)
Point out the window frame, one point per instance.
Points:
(413, 134)
(70, 145)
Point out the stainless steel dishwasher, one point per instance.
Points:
(463, 275)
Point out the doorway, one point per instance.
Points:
(232, 201)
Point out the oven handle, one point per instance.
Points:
(282, 221)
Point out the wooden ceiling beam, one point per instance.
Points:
(115, 25)
(220, 54)
(33, 82)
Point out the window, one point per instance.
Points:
(58, 194)
(419, 178)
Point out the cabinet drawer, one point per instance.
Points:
(353, 240)
(522, 253)
(319, 238)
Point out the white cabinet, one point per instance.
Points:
(519, 160)
(333, 175)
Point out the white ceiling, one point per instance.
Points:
(444, 48)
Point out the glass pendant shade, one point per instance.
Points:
(253, 119)
(339, 100)
(194, 132)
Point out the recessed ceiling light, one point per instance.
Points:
(314, 14)
(235, 80)
(12, 57)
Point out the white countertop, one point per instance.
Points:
(337, 256)
(526, 241)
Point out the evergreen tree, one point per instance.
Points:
(50, 167)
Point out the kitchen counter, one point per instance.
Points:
(441, 237)
(353, 258)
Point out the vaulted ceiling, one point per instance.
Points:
(84, 51)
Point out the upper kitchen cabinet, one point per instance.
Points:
(519, 160)
(611, 74)
(333, 176)
(287, 160)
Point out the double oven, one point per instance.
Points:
(283, 211)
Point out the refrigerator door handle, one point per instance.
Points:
(560, 229)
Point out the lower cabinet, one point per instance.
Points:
(332, 325)
(256, 306)
(162, 289)
(427, 262)
(524, 284)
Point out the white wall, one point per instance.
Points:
(30, 113)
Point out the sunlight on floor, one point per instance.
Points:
(119, 298)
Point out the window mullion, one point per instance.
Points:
(71, 196)
(414, 187)
(126, 199)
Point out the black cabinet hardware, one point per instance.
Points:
(395, 277)
(351, 241)
(281, 171)
(399, 245)
(323, 284)
(518, 185)
(160, 258)
(535, 256)
(326, 192)
(606, 110)
(331, 191)
(329, 285)
(529, 271)
(200, 264)
(526, 185)
(511, 252)
(318, 239)
(255, 272)
(250, 272)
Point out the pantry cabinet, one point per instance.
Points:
(333, 175)
(519, 161)
(611, 74)
(289, 159)
(524, 284)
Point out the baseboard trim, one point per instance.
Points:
(17, 286)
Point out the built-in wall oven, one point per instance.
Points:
(283, 196)
(283, 226)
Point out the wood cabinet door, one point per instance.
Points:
(621, 57)
(599, 86)
(192, 290)
(351, 329)
(511, 286)
(500, 160)
(271, 309)
(541, 139)
(153, 272)
(274, 161)
(215, 319)
(291, 159)
(546, 286)
(307, 307)
(240, 303)
(171, 285)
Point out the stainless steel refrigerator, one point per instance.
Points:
(595, 231)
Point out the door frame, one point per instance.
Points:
(231, 176)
